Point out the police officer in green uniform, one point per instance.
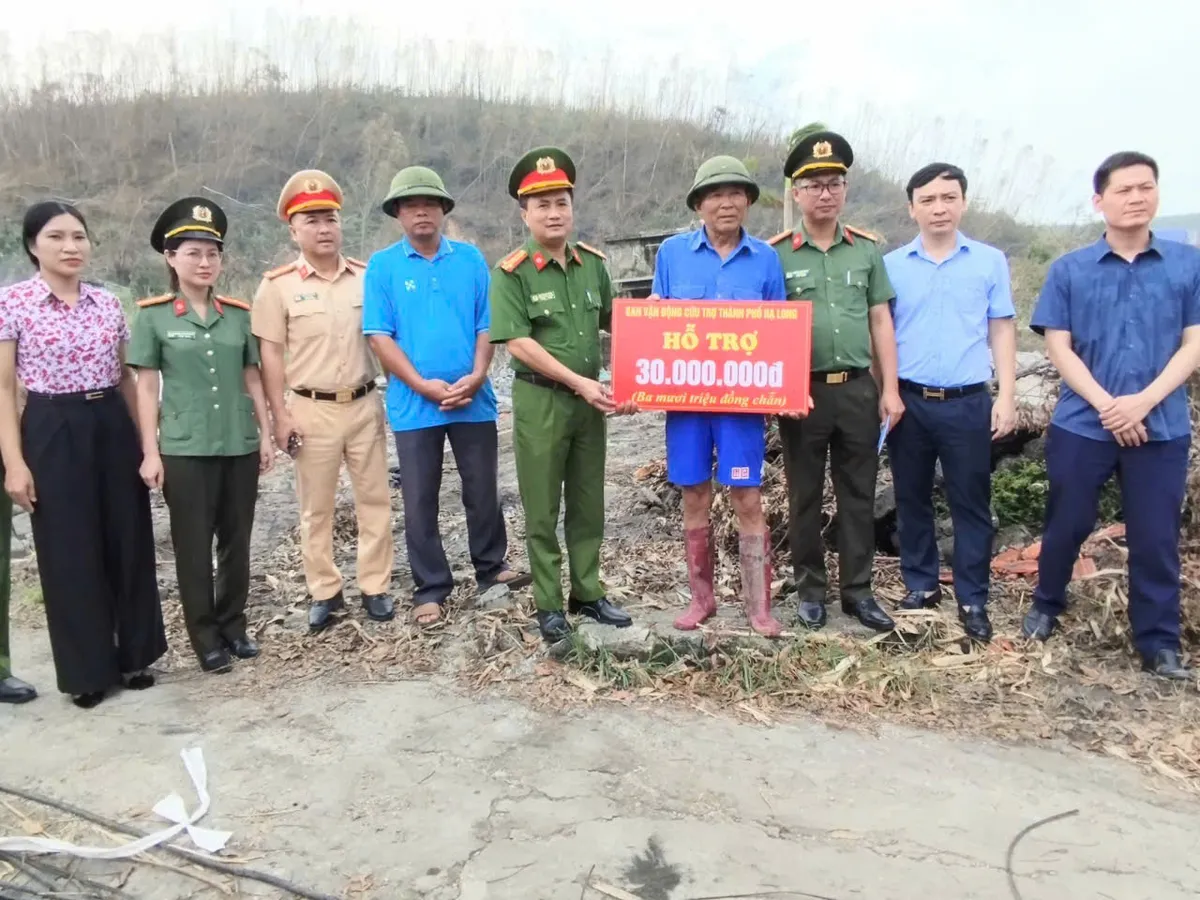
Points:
(549, 300)
(207, 440)
(839, 270)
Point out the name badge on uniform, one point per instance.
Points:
(300, 298)
(799, 273)
(181, 335)
(542, 297)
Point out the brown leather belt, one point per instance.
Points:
(839, 377)
(936, 393)
(336, 396)
(543, 381)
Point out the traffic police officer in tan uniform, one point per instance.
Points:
(549, 301)
(308, 316)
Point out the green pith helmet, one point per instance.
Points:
(721, 170)
(416, 181)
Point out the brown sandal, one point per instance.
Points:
(427, 614)
(513, 579)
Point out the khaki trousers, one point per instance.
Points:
(353, 432)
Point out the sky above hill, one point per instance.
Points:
(1028, 95)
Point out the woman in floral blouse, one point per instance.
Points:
(72, 461)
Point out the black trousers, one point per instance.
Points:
(212, 497)
(94, 538)
(476, 454)
(843, 424)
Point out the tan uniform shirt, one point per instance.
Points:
(319, 324)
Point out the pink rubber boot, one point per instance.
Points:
(700, 579)
(755, 555)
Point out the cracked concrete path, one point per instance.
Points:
(437, 795)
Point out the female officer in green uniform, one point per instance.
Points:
(207, 441)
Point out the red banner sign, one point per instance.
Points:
(712, 356)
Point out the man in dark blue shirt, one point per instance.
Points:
(1122, 325)
(721, 261)
(425, 312)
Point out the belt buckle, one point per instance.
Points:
(838, 378)
(938, 394)
(93, 395)
(343, 396)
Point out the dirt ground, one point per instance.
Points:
(378, 762)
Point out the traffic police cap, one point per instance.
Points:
(717, 171)
(416, 181)
(192, 218)
(817, 149)
(306, 191)
(541, 170)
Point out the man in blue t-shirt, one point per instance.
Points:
(721, 261)
(1121, 319)
(425, 312)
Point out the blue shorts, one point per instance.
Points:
(740, 441)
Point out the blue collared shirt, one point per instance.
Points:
(942, 310)
(1126, 321)
(687, 267)
(434, 309)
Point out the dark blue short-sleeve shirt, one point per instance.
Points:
(1126, 321)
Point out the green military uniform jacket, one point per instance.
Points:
(842, 283)
(563, 310)
(205, 410)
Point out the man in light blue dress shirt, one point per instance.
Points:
(954, 316)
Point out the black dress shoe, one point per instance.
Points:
(1167, 664)
(139, 681)
(88, 701)
(869, 613)
(601, 611)
(379, 607)
(553, 625)
(810, 614)
(975, 623)
(14, 690)
(242, 647)
(1038, 626)
(921, 599)
(321, 612)
(216, 661)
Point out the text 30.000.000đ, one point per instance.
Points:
(703, 373)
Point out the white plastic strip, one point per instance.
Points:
(170, 808)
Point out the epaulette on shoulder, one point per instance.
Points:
(155, 301)
(234, 301)
(514, 259)
(356, 262)
(779, 237)
(869, 235)
(282, 270)
(590, 249)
